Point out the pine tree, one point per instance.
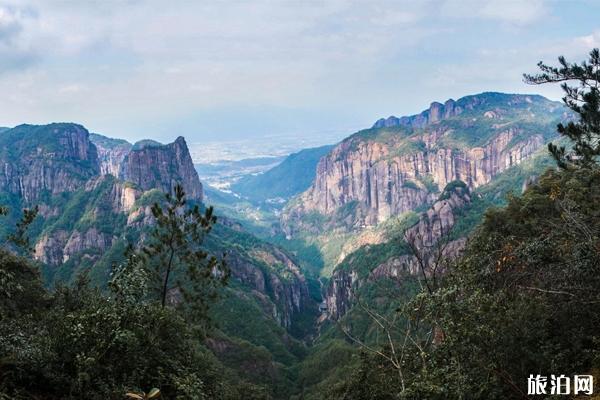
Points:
(584, 100)
(19, 238)
(174, 250)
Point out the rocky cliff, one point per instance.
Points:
(430, 238)
(95, 194)
(96, 212)
(111, 153)
(400, 163)
(278, 276)
(161, 167)
(45, 160)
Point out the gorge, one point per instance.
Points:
(342, 234)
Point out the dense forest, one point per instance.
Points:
(521, 299)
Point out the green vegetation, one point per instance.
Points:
(77, 342)
(453, 187)
(294, 175)
(430, 185)
(28, 138)
(583, 100)
(175, 244)
(522, 297)
(384, 135)
(109, 143)
(472, 127)
(142, 144)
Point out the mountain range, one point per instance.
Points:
(338, 235)
(94, 196)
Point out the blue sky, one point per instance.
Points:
(210, 70)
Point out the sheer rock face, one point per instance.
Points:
(438, 220)
(162, 167)
(497, 102)
(432, 227)
(111, 153)
(387, 185)
(339, 295)
(120, 196)
(98, 206)
(52, 159)
(385, 171)
(289, 288)
(89, 239)
(57, 166)
(435, 113)
(108, 198)
(49, 248)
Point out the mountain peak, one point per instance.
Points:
(152, 165)
(145, 143)
(51, 158)
(450, 108)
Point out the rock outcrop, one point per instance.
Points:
(387, 185)
(439, 219)
(111, 153)
(94, 194)
(47, 159)
(436, 112)
(339, 294)
(288, 286)
(433, 227)
(381, 172)
(162, 167)
(493, 105)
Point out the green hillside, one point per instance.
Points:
(109, 143)
(292, 176)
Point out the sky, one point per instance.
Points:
(224, 70)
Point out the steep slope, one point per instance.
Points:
(401, 163)
(292, 176)
(111, 153)
(88, 216)
(383, 254)
(46, 160)
(159, 166)
(392, 258)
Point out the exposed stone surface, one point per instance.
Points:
(162, 167)
(433, 225)
(380, 173)
(436, 112)
(90, 239)
(111, 153)
(399, 267)
(438, 220)
(366, 237)
(288, 286)
(53, 159)
(339, 295)
(451, 108)
(49, 248)
(93, 197)
(386, 185)
(121, 196)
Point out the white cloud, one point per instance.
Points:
(16, 50)
(587, 42)
(120, 61)
(512, 12)
(517, 12)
